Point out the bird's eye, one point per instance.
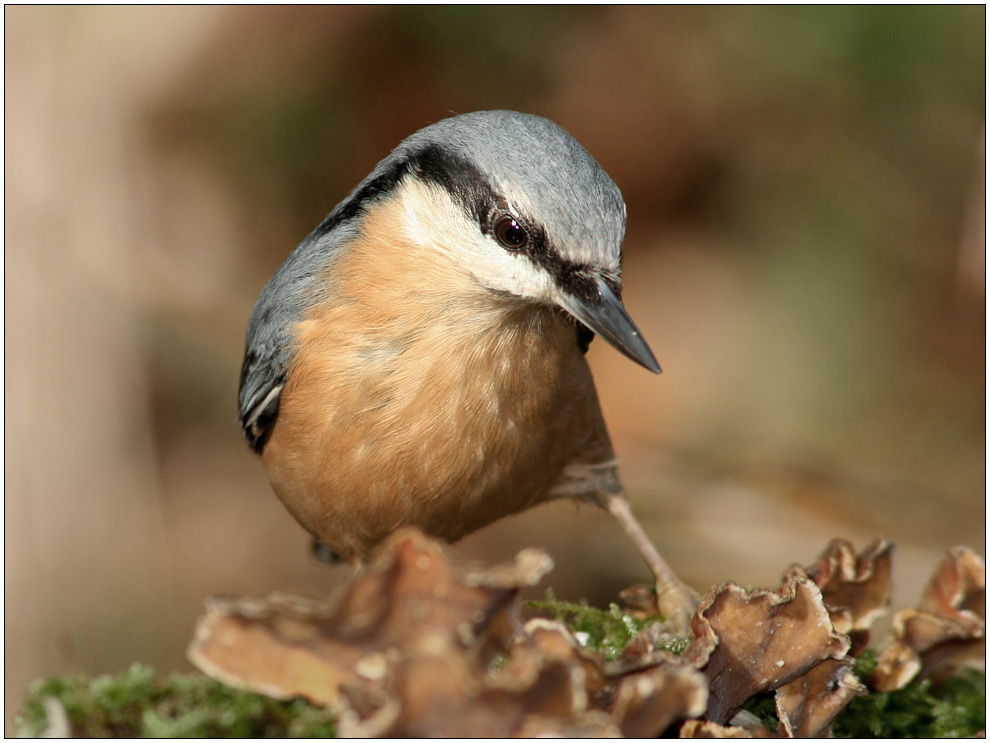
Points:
(511, 234)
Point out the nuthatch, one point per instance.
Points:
(419, 358)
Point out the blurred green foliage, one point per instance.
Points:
(954, 708)
(134, 704)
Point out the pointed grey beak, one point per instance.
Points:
(605, 316)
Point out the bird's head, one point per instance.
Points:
(515, 200)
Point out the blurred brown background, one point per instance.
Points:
(805, 255)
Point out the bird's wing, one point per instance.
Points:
(262, 379)
(297, 284)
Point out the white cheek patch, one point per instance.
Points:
(433, 220)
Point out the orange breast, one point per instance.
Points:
(417, 396)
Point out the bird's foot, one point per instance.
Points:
(677, 604)
(675, 600)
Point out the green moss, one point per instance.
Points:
(865, 664)
(955, 708)
(764, 707)
(608, 631)
(134, 704)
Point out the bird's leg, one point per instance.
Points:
(676, 601)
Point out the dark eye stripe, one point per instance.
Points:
(472, 190)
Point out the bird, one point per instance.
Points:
(419, 358)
